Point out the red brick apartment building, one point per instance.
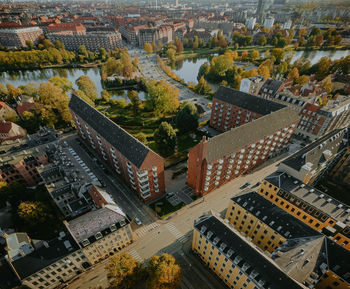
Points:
(141, 168)
(215, 161)
(232, 108)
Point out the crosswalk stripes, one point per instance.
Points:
(145, 229)
(136, 255)
(176, 232)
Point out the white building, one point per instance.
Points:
(287, 25)
(250, 23)
(268, 23)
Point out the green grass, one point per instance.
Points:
(167, 209)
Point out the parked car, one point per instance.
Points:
(138, 221)
(247, 184)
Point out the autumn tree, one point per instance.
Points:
(134, 100)
(179, 46)
(187, 118)
(244, 54)
(32, 212)
(164, 272)
(294, 73)
(254, 54)
(62, 82)
(323, 68)
(148, 48)
(282, 68)
(105, 95)
(264, 71)
(124, 272)
(203, 87)
(86, 85)
(171, 54)
(162, 97)
(278, 54)
(302, 80)
(165, 136)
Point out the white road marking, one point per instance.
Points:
(145, 229)
(136, 255)
(178, 235)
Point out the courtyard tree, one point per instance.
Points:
(165, 136)
(134, 100)
(32, 213)
(187, 118)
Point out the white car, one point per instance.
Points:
(138, 221)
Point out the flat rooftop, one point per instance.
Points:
(313, 201)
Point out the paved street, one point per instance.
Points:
(123, 196)
(173, 235)
(149, 68)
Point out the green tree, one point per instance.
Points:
(59, 44)
(84, 97)
(262, 40)
(134, 99)
(171, 54)
(165, 136)
(187, 118)
(29, 44)
(282, 68)
(82, 50)
(195, 43)
(302, 80)
(124, 272)
(222, 64)
(103, 53)
(29, 89)
(105, 95)
(86, 85)
(278, 54)
(164, 272)
(162, 97)
(32, 212)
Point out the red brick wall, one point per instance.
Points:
(124, 171)
(237, 115)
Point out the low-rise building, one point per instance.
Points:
(312, 161)
(17, 37)
(11, 131)
(267, 225)
(44, 264)
(161, 34)
(252, 85)
(140, 167)
(310, 205)
(270, 88)
(101, 233)
(21, 158)
(213, 162)
(268, 22)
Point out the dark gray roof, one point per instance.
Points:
(247, 101)
(271, 84)
(338, 259)
(125, 143)
(44, 257)
(275, 217)
(230, 141)
(301, 157)
(274, 277)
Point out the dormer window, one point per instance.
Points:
(85, 242)
(98, 236)
(113, 228)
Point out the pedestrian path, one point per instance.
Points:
(135, 255)
(178, 235)
(145, 229)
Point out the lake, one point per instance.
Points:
(36, 76)
(188, 69)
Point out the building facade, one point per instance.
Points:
(11, 131)
(213, 162)
(18, 37)
(312, 161)
(230, 256)
(141, 168)
(311, 206)
(92, 41)
(232, 108)
(340, 173)
(267, 225)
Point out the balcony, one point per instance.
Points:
(145, 190)
(130, 171)
(154, 168)
(208, 173)
(142, 173)
(209, 167)
(128, 165)
(144, 186)
(221, 161)
(145, 195)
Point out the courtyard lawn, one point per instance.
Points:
(166, 209)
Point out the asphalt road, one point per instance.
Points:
(173, 235)
(122, 195)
